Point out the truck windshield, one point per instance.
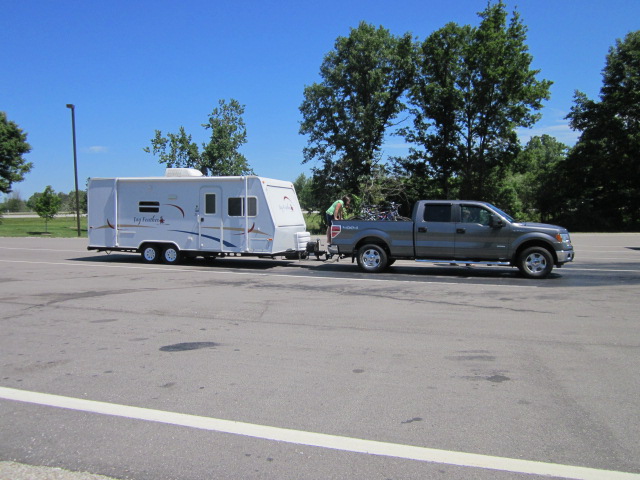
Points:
(505, 215)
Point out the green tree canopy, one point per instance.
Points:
(474, 87)
(47, 205)
(13, 203)
(304, 190)
(13, 145)
(347, 114)
(219, 156)
(534, 180)
(605, 161)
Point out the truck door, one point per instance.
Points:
(209, 219)
(435, 232)
(476, 239)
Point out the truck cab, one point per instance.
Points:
(469, 230)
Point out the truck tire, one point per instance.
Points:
(372, 258)
(150, 253)
(535, 262)
(171, 255)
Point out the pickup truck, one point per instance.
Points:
(454, 231)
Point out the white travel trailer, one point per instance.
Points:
(184, 214)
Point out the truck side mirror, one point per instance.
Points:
(496, 221)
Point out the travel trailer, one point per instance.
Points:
(184, 214)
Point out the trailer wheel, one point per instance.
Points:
(535, 262)
(171, 255)
(150, 253)
(372, 258)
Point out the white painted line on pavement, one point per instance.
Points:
(580, 269)
(333, 442)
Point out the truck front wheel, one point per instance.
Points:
(372, 258)
(535, 262)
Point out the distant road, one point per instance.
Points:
(35, 215)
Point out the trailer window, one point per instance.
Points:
(253, 206)
(210, 204)
(437, 213)
(235, 207)
(148, 207)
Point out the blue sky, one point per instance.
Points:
(131, 67)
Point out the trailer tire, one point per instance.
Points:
(372, 258)
(150, 253)
(171, 255)
(535, 262)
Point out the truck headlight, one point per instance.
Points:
(564, 238)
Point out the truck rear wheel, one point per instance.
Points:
(171, 255)
(150, 253)
(372, 258)
(535, 262)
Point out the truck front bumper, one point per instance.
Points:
(565, 256)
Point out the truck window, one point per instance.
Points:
(234, 207)
(148, 207)
(474, 214)
(437, 213)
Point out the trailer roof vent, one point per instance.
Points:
(182, 172)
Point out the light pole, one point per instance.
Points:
(75, 161)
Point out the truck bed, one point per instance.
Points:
(398, 235)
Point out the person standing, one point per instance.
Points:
(336, 212)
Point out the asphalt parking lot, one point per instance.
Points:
(261, 368)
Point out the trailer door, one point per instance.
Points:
(209, 219)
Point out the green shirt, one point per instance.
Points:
(332, 208)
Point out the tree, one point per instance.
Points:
(47, 205)
(32, 201)
(13, 203)
(303, 186)
(175, 150)
(228, 134)
(605, 161)
(437, 100)
(13, 145)
(347, 114)
(534, 180)
(220, 156)
(68, 200)
(473, 89)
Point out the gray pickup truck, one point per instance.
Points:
(454, 231)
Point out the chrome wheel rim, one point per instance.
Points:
(371, 258)
(536, 263)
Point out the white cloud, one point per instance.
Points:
(97, 149)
